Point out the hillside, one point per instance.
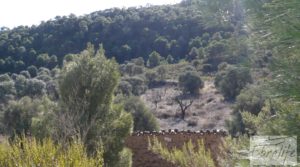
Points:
(125, 34)
(89, 84)
(208, 111)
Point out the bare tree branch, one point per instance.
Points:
(184, 105)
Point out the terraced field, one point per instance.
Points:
(143, 157)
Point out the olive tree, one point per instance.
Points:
(143, 118)
(251, 99)
(190, 82)
(232, 80)
(7, 87)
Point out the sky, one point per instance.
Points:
(31, 12)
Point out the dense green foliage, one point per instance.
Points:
(250, 99)
(232, 80)
(50, 90)
(125, 33)
(143, 119)
(191, 82)
(86, 91)
(275, 25)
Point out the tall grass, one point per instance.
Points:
(27, 152)
(188, 156)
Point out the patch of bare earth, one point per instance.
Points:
(208, 110)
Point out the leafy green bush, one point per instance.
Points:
(32, 70)
(154, 59)
(162, 72)
(185, 157)
(216, 53)
(131, 69)
(207, 68)
(170, 59)
(125, 88)
(30, 152)
(87, 86)
(190, 82)
(29, 116)
(284, 121)
(138, 84)
(18, 115)
(151, 76)
(235, 125)
(250, 99)
(7, 87)
(193, 54)
(142, 117)
(232, 80)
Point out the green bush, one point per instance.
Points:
(138, 84)
(87, 110)
(125, 88)
(250, 99)
(18, 116)
(143, 119)
(7, 87)
(151, 77)
(32, 70)
(131, 69)
(170, 59)
(162, 72)
(235, 125)
(196, 63)
(29, 116)
(207, 68)
(154, 59)
(30, 152)
(232, 80)
(193, 54)
(190, 82)
(216, 53)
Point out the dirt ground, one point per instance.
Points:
(143, 157)
(208, 110)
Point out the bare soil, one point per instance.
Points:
(143, 157)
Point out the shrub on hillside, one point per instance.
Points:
(216, 53)
(207, 68)
(131, 69)
(29, 116)
(138, 83)
(190, 82)
(151, 77)
(154, 59)
(125, 88)
(235, 125)
(232, 80)
(143, 119)
(7, 87)
(162, 72)
(250, 99)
